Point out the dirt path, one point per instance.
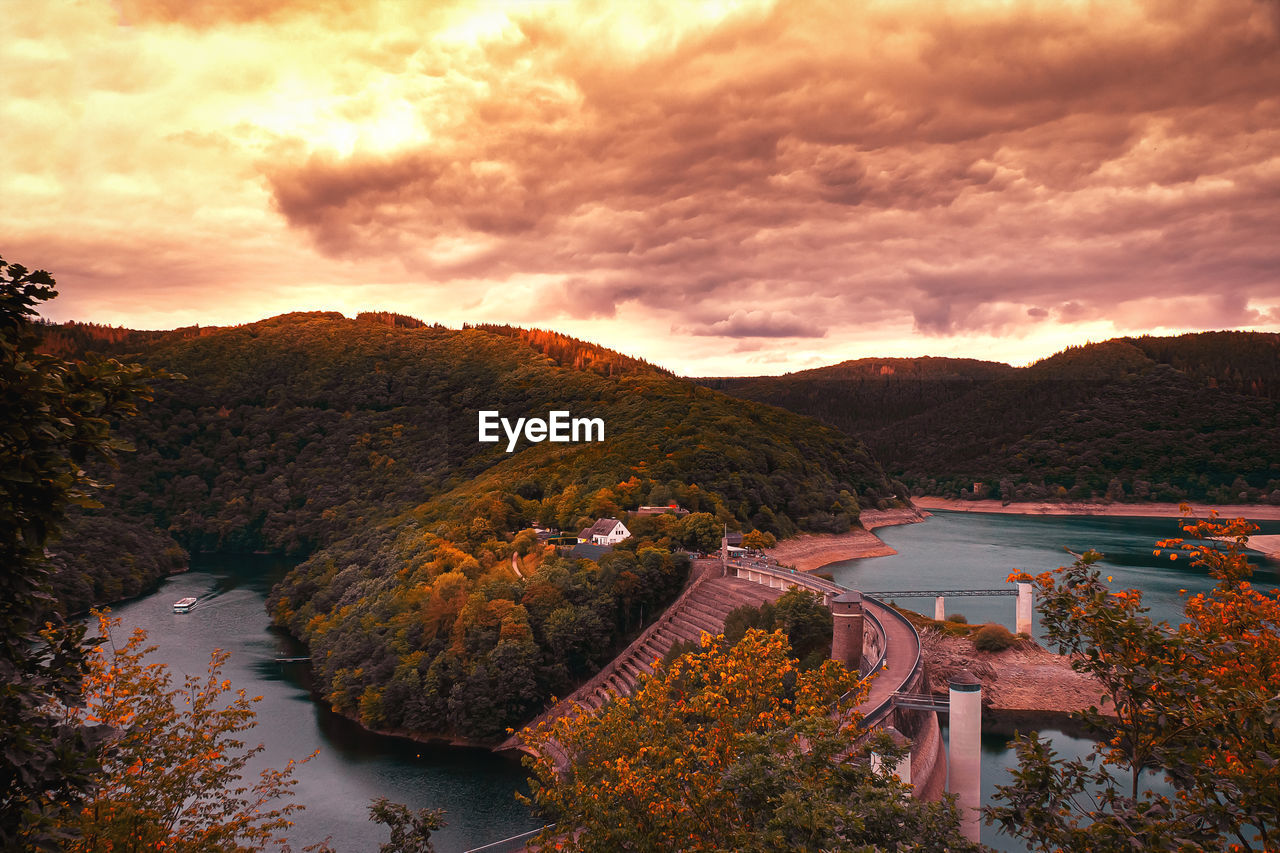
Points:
(901, 656)
(1267, 544)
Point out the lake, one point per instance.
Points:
(962, 550)
(475, 787)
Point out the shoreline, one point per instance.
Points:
(811, 551)
(1024, 686)
(1253, 512)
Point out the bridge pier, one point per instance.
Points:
(1024, 609)
(903, 767)
(965, 751)
(940, 609)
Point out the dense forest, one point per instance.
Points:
(353, 443)
(102, 558)
(1131, 419)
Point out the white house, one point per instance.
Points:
(606, 531)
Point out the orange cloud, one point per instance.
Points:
(741, 170)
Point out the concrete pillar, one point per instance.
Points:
(964, 754)
(724, 556)
(1024, 608)
(846, 629)
(940, 609)
(903, 768)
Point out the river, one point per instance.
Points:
(962, 550)
(475, 787)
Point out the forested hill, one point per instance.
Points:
(1146, 418)
(354, 441)
(285, 430)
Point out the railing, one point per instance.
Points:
(880, 644)
(505, 844)
(787, 577)
(934, 593)
(879, 712)
(921, 702)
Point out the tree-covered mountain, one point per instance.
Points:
(355, 443)
(1147, 418)
(284, 431)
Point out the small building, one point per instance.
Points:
(585, 535)
(733, 539)
(584, 551)
(606, 531)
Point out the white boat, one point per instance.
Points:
(184, 605)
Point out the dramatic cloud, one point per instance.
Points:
(679, 181)
(757, 324)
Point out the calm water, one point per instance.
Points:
(959, 550)
(475, 787)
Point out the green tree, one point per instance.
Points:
(799, 614)
(701, 532)
(410, 831)
(174, 761)
(807, 623)
(729, 748)
(53, 419)
(739, 620)
(1196, 702)
(758, 540)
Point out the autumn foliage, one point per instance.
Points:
(1197, 703)
(54, 418)
(173, 765)
(731, 747)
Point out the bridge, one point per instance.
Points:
(1022, 614)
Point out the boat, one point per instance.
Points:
(184, 605)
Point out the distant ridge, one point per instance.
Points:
(1139, 418)
(923, 367)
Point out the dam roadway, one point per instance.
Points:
(891, 647)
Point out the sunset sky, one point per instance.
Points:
(721, 187)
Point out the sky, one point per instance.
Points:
(722, 188)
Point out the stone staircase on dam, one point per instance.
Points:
(702, 606)
(890, 650)
(703, 611)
